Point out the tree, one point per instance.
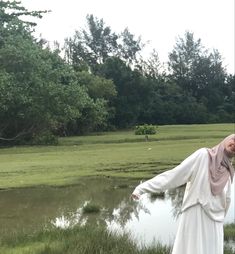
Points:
(151, 68)
(132, 91)
(199, 72)
(208, 81)
(91, 47)
(97, 114)
(185, 55)
(39, 92)
(97, 87)
(10, 13)
(129, 47)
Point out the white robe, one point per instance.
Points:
(200, 228)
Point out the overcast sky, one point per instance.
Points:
(158, 21)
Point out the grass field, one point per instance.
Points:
(114, 154)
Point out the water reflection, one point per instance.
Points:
(151, 219)
(148, 220)
(65, 221)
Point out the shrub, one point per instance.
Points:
(146, 129)
(91, 208)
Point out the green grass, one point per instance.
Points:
(79, 240)
(113, 154)
(166, 132)
(229, 231)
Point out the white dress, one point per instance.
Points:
(200, 229)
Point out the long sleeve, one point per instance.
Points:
(171, 178)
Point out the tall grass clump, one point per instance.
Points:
(91, 208)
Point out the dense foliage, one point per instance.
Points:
(145, 129)
(101, 82)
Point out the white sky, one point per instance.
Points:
(157, 21)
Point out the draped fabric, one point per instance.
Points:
(198, 234)
(220, 166)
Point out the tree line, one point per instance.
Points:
(99, 80)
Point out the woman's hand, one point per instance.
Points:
(135, 197)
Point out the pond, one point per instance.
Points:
(147, 220)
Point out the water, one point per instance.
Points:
(148, 220)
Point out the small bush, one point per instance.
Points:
(146, 129)
(91, 208)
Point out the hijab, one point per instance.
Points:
(220, 166)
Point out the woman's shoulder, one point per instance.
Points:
(201, 152)
(198, 154)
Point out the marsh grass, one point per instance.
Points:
(229, 237)
(111, 154)
(78, 240)
(229, 232)
(228, 250)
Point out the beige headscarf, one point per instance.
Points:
(220, 166)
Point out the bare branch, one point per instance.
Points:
(23, 133)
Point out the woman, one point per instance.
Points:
(208, 174)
